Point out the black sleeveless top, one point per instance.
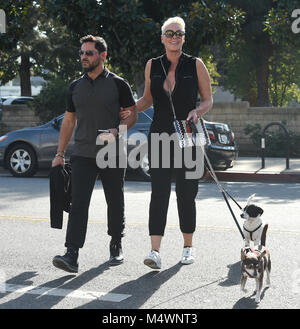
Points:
(184, 94)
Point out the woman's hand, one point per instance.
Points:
(124, 114)
(193, 115)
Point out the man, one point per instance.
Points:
(93, 102)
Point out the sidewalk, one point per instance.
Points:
(250, 169)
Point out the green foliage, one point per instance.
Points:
(132, 28)
(51, 101)
(275, 141)
(263, 59)
(285, 60)
(31, 32)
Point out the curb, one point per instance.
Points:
(258, 177)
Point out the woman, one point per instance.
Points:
(186, 76)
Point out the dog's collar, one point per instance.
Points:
(252, 231)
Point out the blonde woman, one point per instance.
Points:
(186, 77)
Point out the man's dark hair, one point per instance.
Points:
(100, 43)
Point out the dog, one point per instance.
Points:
(254, 263)
(253, 225)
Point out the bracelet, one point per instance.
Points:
(62, 151)
(59, 155)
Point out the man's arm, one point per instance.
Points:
(130, 121)
(65, 135)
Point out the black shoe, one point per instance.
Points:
(116, 253)
(67, 262)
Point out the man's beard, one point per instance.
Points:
(91, 67)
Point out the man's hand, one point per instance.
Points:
(58, 161)
(109, 137)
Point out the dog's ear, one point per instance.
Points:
(249, 200)
(260, 211)
(262, 254)
(243, 254)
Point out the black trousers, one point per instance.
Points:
(84, 175)
(186, 192)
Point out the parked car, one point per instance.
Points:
(25, 151)
(16, 100)
(13, 100)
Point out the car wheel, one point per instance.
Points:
(21, 161)
(144, 169)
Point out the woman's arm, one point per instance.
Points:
(204, 87)
(146, 101)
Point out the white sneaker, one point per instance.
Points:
(187, 256)
(153, 260)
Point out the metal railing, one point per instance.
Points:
(263, 143)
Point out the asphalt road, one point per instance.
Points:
(27, 245)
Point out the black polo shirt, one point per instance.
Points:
(97, 105)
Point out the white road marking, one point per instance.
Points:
(40, 290)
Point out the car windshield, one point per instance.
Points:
(21, 100)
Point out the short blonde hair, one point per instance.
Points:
(173, 20)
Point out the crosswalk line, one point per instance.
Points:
(42, 291)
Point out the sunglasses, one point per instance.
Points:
(87, 52)
(170, 34)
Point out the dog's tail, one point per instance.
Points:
(264, 235)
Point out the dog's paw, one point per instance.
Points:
(244, 290)
(257, 300)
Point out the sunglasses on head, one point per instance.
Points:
(87, 52)
(170, 34)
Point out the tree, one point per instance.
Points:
(285, 62)
(261, 61)
(51, 101)
(34, 43)
(21, 19)
(132, 27)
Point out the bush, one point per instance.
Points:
(275, 141)
(51, 101)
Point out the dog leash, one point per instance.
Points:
(223, 191)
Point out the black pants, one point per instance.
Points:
(186, 192)
(84, 175)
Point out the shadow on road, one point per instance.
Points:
(141, 289)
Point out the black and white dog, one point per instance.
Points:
(253, 225)
(254, 263)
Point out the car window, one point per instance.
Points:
(21, 100)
